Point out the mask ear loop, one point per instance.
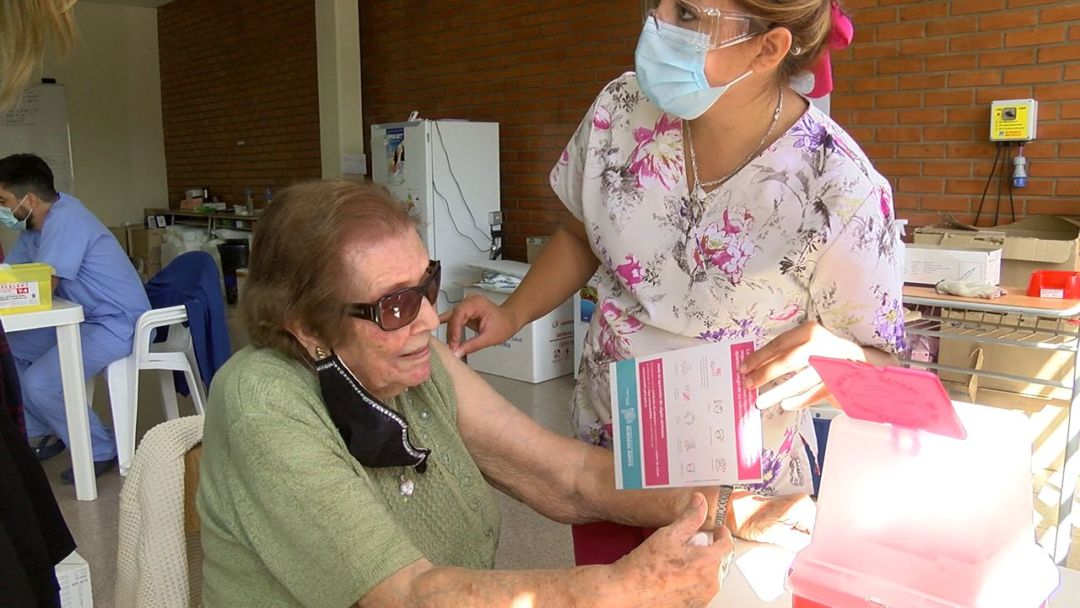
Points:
(22, 202)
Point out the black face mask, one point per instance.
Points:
(375, 435)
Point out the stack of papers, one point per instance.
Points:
(501, 276)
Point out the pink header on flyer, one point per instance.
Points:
(653, 422)
(747, 427)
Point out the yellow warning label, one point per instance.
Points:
(1011, 122)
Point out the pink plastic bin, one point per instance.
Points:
(909, 518)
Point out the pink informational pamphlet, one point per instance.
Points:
(685, 418)
(908, 398)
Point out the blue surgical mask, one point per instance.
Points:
(8, 219)
(670, 63)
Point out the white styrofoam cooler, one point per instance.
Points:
(542, 350)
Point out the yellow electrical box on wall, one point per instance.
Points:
(1013, 120)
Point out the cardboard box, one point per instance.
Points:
(1043, 242)
(120, 232)
(542, 350)
(148, 271)
(73, 575)
(929, 264)
(145, 248)
(1005, 358)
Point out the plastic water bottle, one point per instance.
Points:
(268, 196)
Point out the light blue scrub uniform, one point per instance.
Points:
(97, 274)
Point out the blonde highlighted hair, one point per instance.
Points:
(26, 28)
(809, 21)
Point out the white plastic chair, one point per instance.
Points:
(176, 353)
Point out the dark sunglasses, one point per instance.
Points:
(398, 309)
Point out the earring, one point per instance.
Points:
(320, 354)
(796, 50)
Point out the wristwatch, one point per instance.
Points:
(722, 501)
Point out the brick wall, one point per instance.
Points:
(239, 94)
(533, 67)
(915, 91)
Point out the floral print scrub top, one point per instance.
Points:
(804, 231)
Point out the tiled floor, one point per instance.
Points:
(528, 540)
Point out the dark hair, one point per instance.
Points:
(24, 174)
(297, 271)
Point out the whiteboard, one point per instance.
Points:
(38, 124)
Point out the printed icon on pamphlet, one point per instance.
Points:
(686, 418)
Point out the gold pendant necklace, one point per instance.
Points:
(698, 184)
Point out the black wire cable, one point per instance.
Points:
(997, 205)
(453, 222)
(450, 168)
(1003, 176)
(989, 179)
(1012, 205)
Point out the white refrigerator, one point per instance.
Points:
(447, 173)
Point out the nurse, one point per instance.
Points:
(714, 202)
(90, 269)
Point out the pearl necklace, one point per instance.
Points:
(698, 184)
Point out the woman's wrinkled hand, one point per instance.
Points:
(665, 571)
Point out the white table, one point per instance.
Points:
(66, 316)
(736, 592)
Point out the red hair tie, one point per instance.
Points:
(840, 36)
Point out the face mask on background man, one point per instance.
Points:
(8, 219)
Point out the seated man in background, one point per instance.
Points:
(90, 269)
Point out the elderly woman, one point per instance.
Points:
(347, 453)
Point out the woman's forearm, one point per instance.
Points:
(583, 586)
(423, 585)
(573, 482)
(648, 508)
(664, 572)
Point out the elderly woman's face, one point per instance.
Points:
(387, 362)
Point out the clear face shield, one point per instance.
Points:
(714, 28)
